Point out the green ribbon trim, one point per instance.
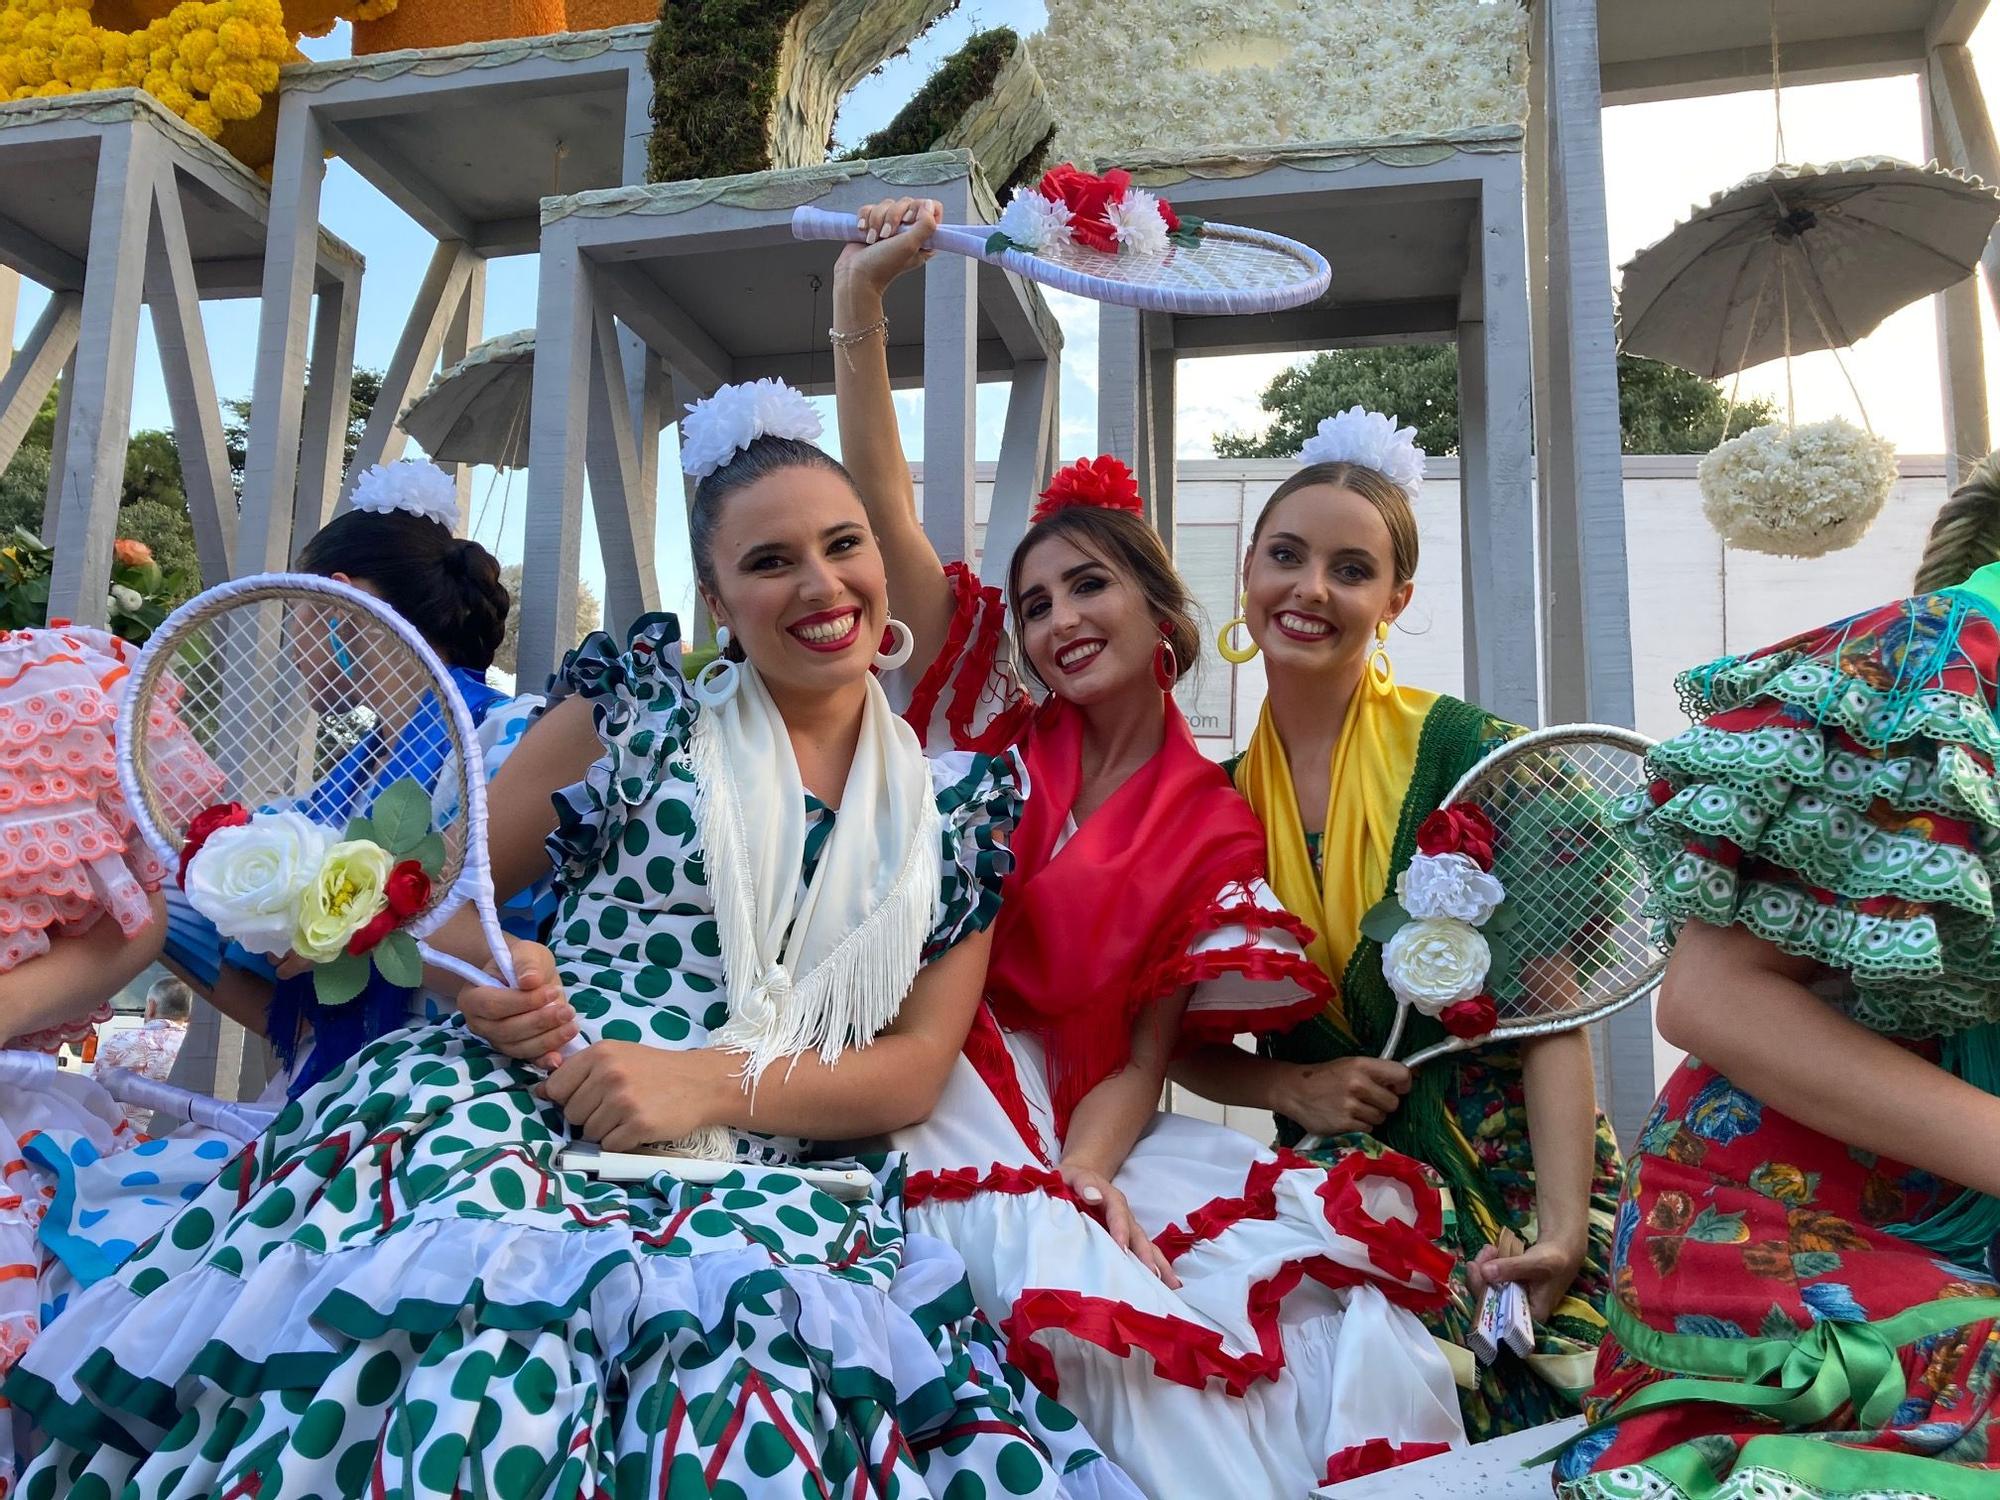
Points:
(1828, 1468)
(1797, 1382)
(1984, 586)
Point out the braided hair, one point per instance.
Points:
(1965, 537)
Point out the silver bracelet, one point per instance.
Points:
(842, 340)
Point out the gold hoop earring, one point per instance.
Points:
(1381, 671)
(1233, 654)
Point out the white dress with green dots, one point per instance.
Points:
(395, 1292)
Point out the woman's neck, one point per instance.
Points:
(1309, 710)
(824, 728)
(1119, 736)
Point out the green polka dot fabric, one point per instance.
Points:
(1837, 797)
(396, 1292)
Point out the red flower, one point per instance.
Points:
(1167, 212)
(206, 822)
(1088, 198)
(407, 889)
(1458, 830)
(371, 932)
(1469, 1019)
(1091, 481)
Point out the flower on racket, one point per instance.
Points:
(1442, 932)
(1100, 212)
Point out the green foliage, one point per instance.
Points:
(363, 392)
(1661, 409)
(715, 67)
(966, 77)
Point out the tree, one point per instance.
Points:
(364, 392)
(1661, 408)
(589, 613)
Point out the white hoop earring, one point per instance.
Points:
(716, 683)
(896, 656)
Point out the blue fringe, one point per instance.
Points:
(338, 1031)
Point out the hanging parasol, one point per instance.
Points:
(1801, 258)
(476, 412)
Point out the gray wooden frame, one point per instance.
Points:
(437, 132)
(636, 257)
(172, 219)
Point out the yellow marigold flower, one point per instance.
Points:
(54, 89)
(201, 114)
(198, 48)
(238, 38)
(236, 101)
(35, 70)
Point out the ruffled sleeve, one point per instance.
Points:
(644, 714)
(968, 698)
(70, 851)
(1836, 797)
(980, 798)
(1245, 955)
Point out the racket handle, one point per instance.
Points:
(241, 1121)
(470, 973)
(27, 1068)
(809, 223)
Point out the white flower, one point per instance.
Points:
(344, 895)
(415, 486)
(1138, 224)
(1797, 491)
(1448, 885)
(1435, 963)
(247, 880)
(715, 430)
(126, 599)
(1367, 438)
(1034, 222)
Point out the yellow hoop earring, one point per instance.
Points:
(1233, 654)
(1381, 672)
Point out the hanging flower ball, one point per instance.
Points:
(1798, 491)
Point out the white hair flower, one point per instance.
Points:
(1033, 222)
(1138, 224)
(415, 486)
(715, 430)
(1367, 438)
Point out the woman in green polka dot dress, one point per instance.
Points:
(771, 932)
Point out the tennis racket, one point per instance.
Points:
(1230, 269)
(305, 695)
(240, 1122)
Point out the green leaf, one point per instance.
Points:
(340, 981)
(402, 816)
(996, 242)
(1189, 234)
(1384, 919)
(1712, 1228)
(429, 852)
(1502, 920)
(397, 957)
(1807, 1263)
(361, 831)
(1505, 961)
(1778, 1324)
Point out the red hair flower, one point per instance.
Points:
(1102, 481)
(1470, 1019)
(206, 822)
(407, 889)
(1458, 830)
(1087, 197)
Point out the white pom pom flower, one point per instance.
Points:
(1367, 438)
(1137, 223)
(717, 429)
(1797, 491)
(1033, 222)
(415, 486)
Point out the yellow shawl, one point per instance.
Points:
(1368, 781)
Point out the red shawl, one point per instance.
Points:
(1088, 938)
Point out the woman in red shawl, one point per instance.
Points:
(1224, 1319)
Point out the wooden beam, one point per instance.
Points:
(1017, 478)
(1162, 368)
(1954, 21)
(951, 385)
(175, 302)
(10, 307)
(415, 360)
(36, 369)
(645, 308)
(59, 449)
(328, 397)
(625, 510)
(557, 430)
(468, 320)
(1961, 340)
(401, 181)
(1730, 70)
(31, 255)
(1120, 383)
(100, 418)
(1965, 133)
(685, 392)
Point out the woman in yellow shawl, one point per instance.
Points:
(1344, 767)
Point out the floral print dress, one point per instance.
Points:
(398, 1291)
(1792, 1316)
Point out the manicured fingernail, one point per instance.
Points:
(1091, 1195)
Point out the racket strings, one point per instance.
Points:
(1220, 262)
(295, 703)
(1576, 931)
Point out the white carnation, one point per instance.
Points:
(1797, 491)
(247, 880)
(1034, 222)
(1367, 438)
(1435, 963)
(717, 429)
(1137, 223)
(1448, 885)
(415, 486)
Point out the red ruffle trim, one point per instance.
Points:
(1178, 965)
(966, 663)
(958, 1184)
(1375, 1455)
(1401, 1251)
(986, 1050)
(1259, 1201)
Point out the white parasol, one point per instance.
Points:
(476, 412)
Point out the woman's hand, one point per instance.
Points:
(899, 234)
(1097, 1190)
(1347, 1094)
(530, 1020)
(1545, 1270)
(627, 1095)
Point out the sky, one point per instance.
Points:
(1660, 159)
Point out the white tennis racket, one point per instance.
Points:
(240, 1122)
(1230, 269)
